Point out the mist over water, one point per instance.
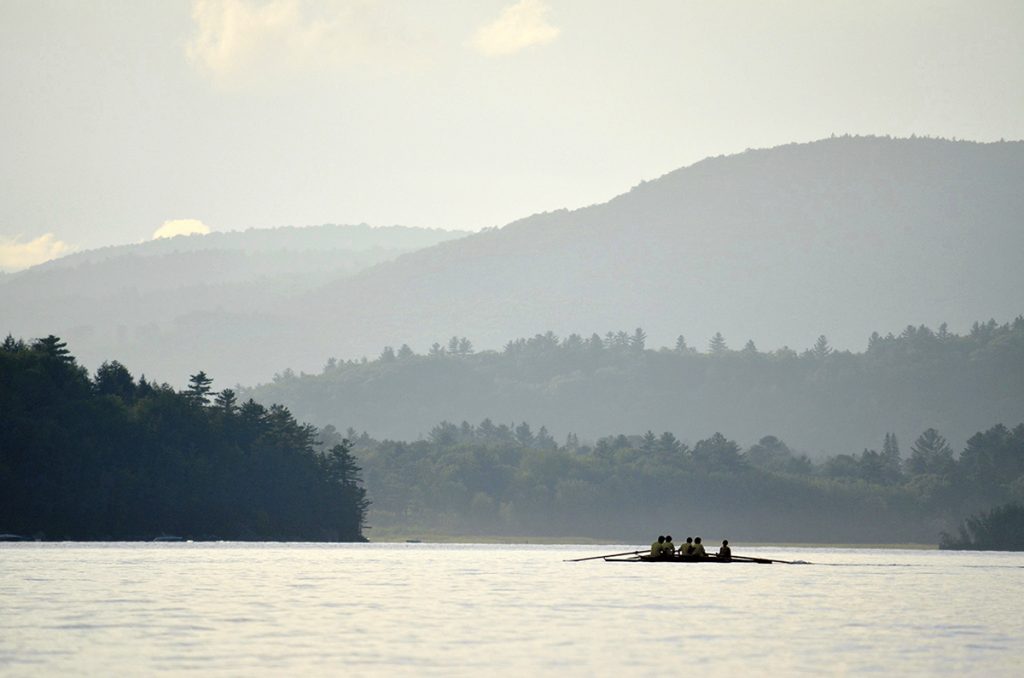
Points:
(417, 609)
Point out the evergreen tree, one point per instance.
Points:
(891, 454)
(821, 348)
(227, 401)
(930, 453)
(573, 342)
(649, 443)
(113, 378)
(12, 345)
(199, 389)
(53, 347)
(544, 441)
(444, 434)
(524, 435)
(669, 445)
(638, 341)
(681, 346)
(717, 453)
(717, 345)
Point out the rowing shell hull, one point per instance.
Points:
(687, 559)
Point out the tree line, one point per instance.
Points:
(509, 479)
(820, 400)
(111, 457)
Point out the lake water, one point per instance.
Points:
(418, 609)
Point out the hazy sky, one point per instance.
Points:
(117, 117)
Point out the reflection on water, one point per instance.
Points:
(370, 609)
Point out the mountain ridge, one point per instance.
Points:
(839, 237)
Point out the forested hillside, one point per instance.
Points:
(820, 400)
(112, 458)
(492, 479)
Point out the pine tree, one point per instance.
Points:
(524, 435)
(717, 344)
(821, 348)
(638, 341)
(198, 388)
(53, 347)
(649, 442)
(890, 459)
(930, 453)
(669, 445)
(227, 401)
(113, 378)
(12, 345)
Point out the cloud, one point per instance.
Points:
(519, 26)
(16, 255)
(174, 227)
(245, 42)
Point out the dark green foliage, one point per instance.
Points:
(1001, 529)
(199, 388)
(112, 459)
(114, 379)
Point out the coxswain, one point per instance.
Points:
(725, 553)
(698, 549)
(657, 546)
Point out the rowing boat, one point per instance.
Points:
(688, 559)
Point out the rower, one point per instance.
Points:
(657, 546)
(668, 549)
(698, 549)
(725, 553)
(687, 548)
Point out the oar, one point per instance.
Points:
(610, 555)
(770, 560)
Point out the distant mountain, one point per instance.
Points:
(132, 295)
(837, 237)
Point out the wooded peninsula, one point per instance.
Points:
(111, 458)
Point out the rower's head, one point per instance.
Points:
(668, 537)
(697, 540)
(689, 540)
(661, 539)
(725, 542)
